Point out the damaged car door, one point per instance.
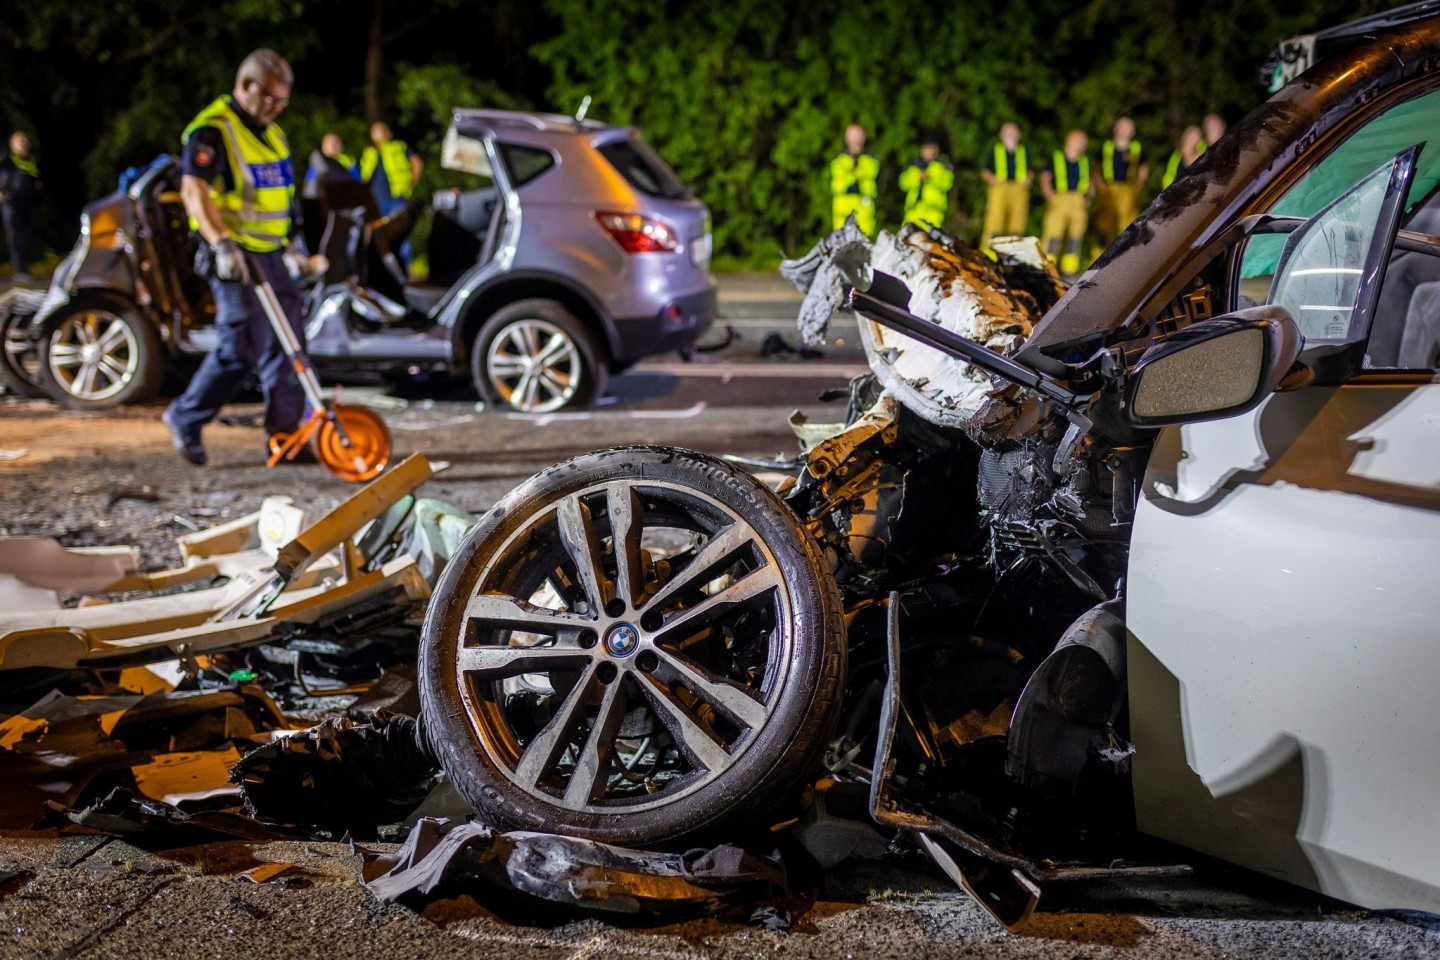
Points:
(1281, 611)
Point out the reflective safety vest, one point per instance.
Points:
(346, 161)
(1174, 168)
(25, 165)
(927, 197)
(1002, 163)
(256, 207)
(853, 188)
(1108, 161)
(1060, 170)
(396, 160)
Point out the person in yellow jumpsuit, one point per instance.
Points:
(854, 178)
(1066, 186)
(926, 182)
(1122, 177)
(1007, 202)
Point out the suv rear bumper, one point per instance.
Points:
(675, 327)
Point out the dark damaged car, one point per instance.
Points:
(1154, 558)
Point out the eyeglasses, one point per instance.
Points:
(270, 100)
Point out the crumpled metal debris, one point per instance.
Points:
(817, 275)
(994, 302)
(339, 776)
(441, 857)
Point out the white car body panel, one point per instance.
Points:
(1284, 617)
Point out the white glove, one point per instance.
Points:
(230, 261)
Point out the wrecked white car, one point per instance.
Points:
(1161, 569)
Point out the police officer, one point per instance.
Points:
(1123, 176)
(238, 186)
(926, 181)
(1066, 188)
(854, 183)
(390, 167)
(1007, 202)
(20, 189)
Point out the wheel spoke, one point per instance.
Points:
(578, 536)
(532, 339)
(65, 354)
(528, 388)
(85, 329)
(720, 548)
(508, 613)
(506, 365)
(85, 382)
(625, 530)
(496, 662)
(735, 701)
(544, 749)
(555, 346)
(700, 745)
(115, 333)
(703, 613)
(592, 765)
(112, 368)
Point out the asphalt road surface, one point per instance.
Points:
(111, 477)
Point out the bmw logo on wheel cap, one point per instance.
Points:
(622, 640)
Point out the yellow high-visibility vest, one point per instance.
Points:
(25, 165)
(1060, 169)
(396, 160)
(1108, 161)
(1002, 166)
(255, 208)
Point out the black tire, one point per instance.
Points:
(779, 627)
(573, 377)
(136, 358)
(20, 357)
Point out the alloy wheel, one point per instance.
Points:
(624, 647)
(93, 354)
(534, 365)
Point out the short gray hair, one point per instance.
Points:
(263, 65)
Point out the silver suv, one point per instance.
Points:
(576, 251)
(569, 249)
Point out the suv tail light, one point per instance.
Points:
(637, 234)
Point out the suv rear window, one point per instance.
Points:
(525, 163)
(643, 169)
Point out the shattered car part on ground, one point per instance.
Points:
(726, 880)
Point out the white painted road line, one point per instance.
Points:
(776, 323)
(545, 419)
(762, 370)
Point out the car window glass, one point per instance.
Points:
(643, 169)
(525, 163)
(1321, 264)
(1398, 128)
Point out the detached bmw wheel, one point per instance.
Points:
(536, 357)
(97, 352)
(636, 646)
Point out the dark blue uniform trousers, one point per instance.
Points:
(246, 343)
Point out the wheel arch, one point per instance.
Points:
(528, 285)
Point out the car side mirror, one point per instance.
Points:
(1214, 368)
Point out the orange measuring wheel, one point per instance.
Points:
(369, 448)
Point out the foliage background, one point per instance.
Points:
(746, 99)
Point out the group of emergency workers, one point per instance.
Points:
(1079, 199)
